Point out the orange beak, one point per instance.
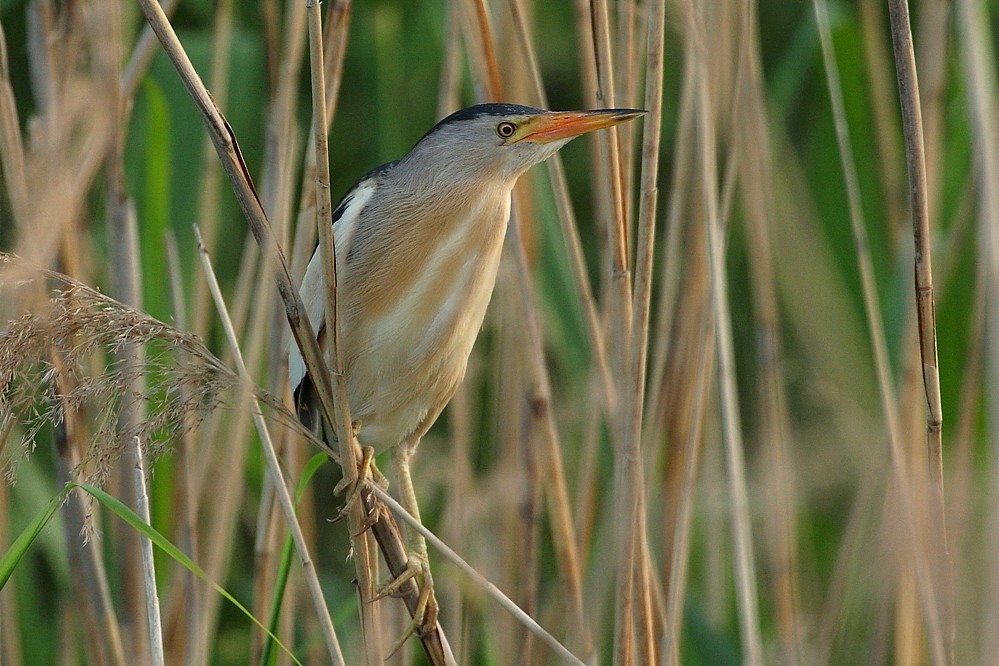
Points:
(554, 125)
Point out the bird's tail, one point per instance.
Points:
(310, 412)
(307, 405)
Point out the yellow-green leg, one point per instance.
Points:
(407, 495)
(418, 567)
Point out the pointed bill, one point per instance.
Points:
(555, 125)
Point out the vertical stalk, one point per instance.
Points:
(570, 232)
(148, 569)
(677, 582)
(342, 422)
(540, 405)
(752, 142)
(637, 348)
(184, 490)
(105, 28)
(745, 569)
(912, 128)
(211, 183)
(619, 297)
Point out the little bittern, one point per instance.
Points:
(418, 245)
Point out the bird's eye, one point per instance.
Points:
(506, 130)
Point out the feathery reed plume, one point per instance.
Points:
(79, 325)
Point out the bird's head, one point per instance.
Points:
(504, 140)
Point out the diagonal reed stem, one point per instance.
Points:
(274, 466)
(491, 590)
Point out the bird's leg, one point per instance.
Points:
(418, 565)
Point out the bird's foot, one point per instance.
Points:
(425, 614)
(367, 472)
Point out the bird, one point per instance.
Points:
(417, 245)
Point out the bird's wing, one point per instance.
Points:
(344, 220)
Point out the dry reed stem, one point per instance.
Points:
(627, 500)
(266, 342)
(210, 183)
(183, 497)
(669, 277)
(366, 571)
(44, 81)
(103, 26)
(274, 466)
(617, 221)
(627, 61)
(752, 144)
(93, 591)
(134, 550)
(540, 408)
(540, 393)
(142, 58)
(266, 537)
(634, 388)
(611, 202)
(570, 230)
(745, 570)
(587, 481)
(449, 87)
(979, 83)
(154, 623)
(908, 88)
(219, 482)
(336, 32)
(875, 325)
(335, 49)
(103, 638)
(283, 150)
(493, 81)
(539, 396)
(678, 559)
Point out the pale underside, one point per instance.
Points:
(413, 288)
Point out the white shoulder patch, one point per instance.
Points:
(311, 291)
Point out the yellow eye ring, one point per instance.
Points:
(506, 129)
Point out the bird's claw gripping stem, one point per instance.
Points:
(425, 614)
(367, 472)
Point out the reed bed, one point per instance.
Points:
(723, 408)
